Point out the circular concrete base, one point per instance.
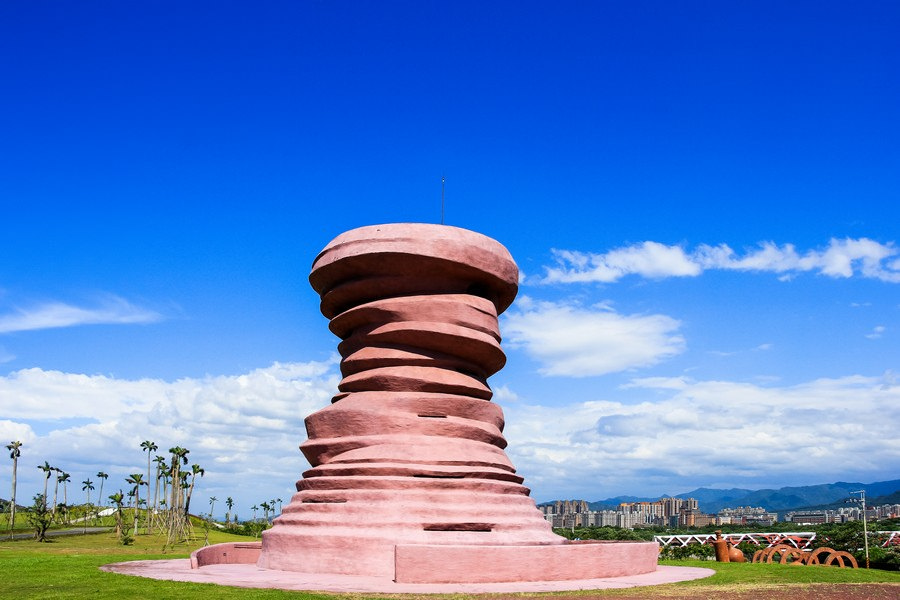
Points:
(251, 576)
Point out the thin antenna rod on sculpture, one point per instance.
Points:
(443, 180)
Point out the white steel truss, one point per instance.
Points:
(801, 540)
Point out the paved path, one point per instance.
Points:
(251, 576)
(57, 532)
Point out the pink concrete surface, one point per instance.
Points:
(230, 553)
(465, 564)
(525, 563)
(251, 576)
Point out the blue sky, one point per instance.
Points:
(701, 197)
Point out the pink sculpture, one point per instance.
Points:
(410, 490)
(409, 478)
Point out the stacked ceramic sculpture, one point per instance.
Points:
(410, 452)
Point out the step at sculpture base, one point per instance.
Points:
(462, 564)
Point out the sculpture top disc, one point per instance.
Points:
(403, 259)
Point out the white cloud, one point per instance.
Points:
(693, 433)
(52, 395)
(244, 430)
(841, 258)
(724, 354)
(648, 259)
(504, 394)
(11, 431)
(876, 333)
(768, 257)
(579, 342)
(110, 310)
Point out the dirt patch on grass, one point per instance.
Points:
(829, 591)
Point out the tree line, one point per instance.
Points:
(848, 537)
(165, 505)
(168, 486)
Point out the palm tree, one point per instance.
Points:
(87, 486)
(117, 499)
(254, 508)
(179, 456)
(55, 488)
(279, 505)
(14, 454)
(102, 477)
(160, 471)
(195, 470)
(265, 506)
(64, 478)
(185, 499)
(153, 509)
(148, 447)
(176, 522)
(46, 468)
(166, 478)
(230, 504)
(64, 512)
(272, 503)
(212, 505)
(137, 480)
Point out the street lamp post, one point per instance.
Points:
(862, 498)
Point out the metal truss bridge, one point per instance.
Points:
(801, 540)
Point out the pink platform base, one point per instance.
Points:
(423, 563)
(437, 569)
(512, 563)
(251, 576)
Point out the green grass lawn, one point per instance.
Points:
(765, 574)
(76, 520)
(68, 567)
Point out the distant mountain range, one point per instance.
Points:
(711, 500)
(783, 499)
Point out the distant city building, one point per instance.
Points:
(576, 513)
(696, 518)
(843, 514)
(685, 512)
(746, 515)
(663, 512)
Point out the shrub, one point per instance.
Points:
(39, 517)
(690, 551)
(884, 558)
